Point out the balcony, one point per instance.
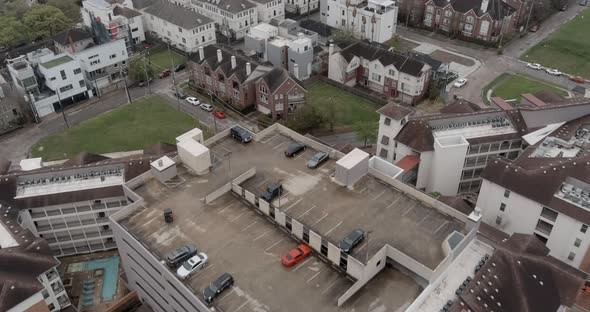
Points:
(544, 227)
(51, 275)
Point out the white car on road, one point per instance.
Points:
(460, 82)
(192, 265)
(553, 72)
(193, 100)
(536, 66)
(206, 107)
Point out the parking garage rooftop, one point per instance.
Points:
(240, 240)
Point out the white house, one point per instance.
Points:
(374, 20)
(269, 10)
(302, 7)
(102, 64)
(233, 17)
(185, 29)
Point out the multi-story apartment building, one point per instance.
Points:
(182, 28)
(233, 17)
(397, 76)
(49, 81)
(242, 82)
(546, 190)
(28, 269)
(374, 20)
(301, 7)
(483, 20)
(293, 52)
(118, 20)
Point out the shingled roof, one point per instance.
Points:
(70, 36)
(177, 15)
(277, 76)
(496, 8)
(395, 111)
(210, 54)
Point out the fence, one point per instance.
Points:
(379, 99)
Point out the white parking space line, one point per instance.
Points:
(226, 207)
(407, 211)
(426, 216)
(308, 210)
(315, 275)
(363, 190)
(238, 216)
(395, 201)
(202, 270)
(292, 205)
(270, 138)
(225, 294)
(440, 227)
(301, 265)
(271, 246)
(320, 219)
(356, 252)
(330, 286)
(332, 229)
(322, 166)
(249, 225)
(243, 304)
(261, 235)
(380, 194)
(303, 153)
(223, 147)
(279, 145)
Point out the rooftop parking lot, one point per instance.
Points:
(333, 211)
(244, 243)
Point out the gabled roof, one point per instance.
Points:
(70, 36)
(460, 107)
(124, 11)
(277, 76)
(403, 63)
(210, 53)
(496, 8)
(177, 15)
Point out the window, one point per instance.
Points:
(113, 56)
(498, 220)
(578, 242)
(383, 153)
(77, 71)
(571, 256)
(45, 294)
(385, 140)
(183, 40)
(448, 13)
(63, 74)
(483, 29)
(376, 77)
(506, 193)
(544, 227)
(470, 19)
(387, 121)
(584, 228)
(429, 9)
(51, 306)
(549, 214)
(343, 12)
(392, 72)
(82, 83)
(179, 29)
(134, 29)
(66, 88)
(52, 78)
(502, 206)
(343, 23)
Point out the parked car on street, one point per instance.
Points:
(179, 67)
(294, 149)
(317, 160)
(351, 240)
(536, 66)
(219, 114)
(206, 107)
(193, 100)
(192, 265)
(577, 79)
(296, 255)
(553, 72)
(179, 255)
(460, 82)
(180, 95)
(241, 134)
(165, 73)
(272, 191)
(214, 289)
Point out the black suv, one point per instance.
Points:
(241, 134)
(179, 67)
(271, 192)
(224, 282)
(179, 255)
(294, 149)
(353, 239)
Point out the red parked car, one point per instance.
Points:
(219, 114)
(296, 255)
(165, 73)
(577, 79)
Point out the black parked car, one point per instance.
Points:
(241, 134)
(317, 160)
(179, 67)
(180, 95)
(272, 191)
(353, 239)
(224, 282)
(294, 149)
(179, 255)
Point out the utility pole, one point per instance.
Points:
(213, 115)
(526, 26)
(96, 86)
(173, 76)
(63, 110)
(125, 83)
(147, 78)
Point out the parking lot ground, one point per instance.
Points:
(311, 197)
(239, 240)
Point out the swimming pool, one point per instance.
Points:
(110, 267)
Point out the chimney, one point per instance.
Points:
(201, 53)
(160, 163)
(331, 49)
(296, 70)
(233, 61)
(248, 69)
(484, 5)
(219, 56)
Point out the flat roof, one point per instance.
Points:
(58, 61)
(162, 163)
(352, 158)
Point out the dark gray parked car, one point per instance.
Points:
(317, 160)
(179, 255)
(272, 191)
(224, 282)
(294, 149)
(351, 240)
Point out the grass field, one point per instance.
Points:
(160, 59)
(131, 127)
(567, 49)
(511, 86)
(349, 107)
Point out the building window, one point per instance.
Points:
(387, 121)
(45, 294)
(392, 72)
(571, 256)
(66, 88)
(51, 306)
(383, 153)
(578, 242)
(82, 83)
(498, 220)
(376, 77)
(502, 206)
(52, 78)
(549, 214)
(77, 71)
(183, 40)
(470, 19)
(506, 193)
(63, 74)
(544, 227)
(179, 29)
(429, 9)
(483, 29)
(385, 140)
(584, 228)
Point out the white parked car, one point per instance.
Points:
(193, 100)
(192, 265)
(460, 82)
(553, 72)
(536, 66)
(206, 107)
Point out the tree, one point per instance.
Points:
(366, 131)
(11, 31)
(329, 113)
(305, 119)
(44, 21)
(343, 36)
(137, 72)
(70, 8)
(16, 9)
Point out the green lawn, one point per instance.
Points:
(567, 49)
(160, 59)
(349, 108)
(131, 127)
(511, 86)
